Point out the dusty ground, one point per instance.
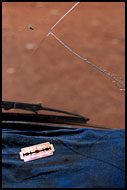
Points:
(52, 75)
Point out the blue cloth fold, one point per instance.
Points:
(83, 158)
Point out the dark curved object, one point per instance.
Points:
(73, 119)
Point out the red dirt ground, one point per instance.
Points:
(54, 76)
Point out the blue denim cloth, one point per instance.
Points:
(83, 158)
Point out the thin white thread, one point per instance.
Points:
(54, 27)
(63, 17)
(94, 66)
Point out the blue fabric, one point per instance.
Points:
(83, 158)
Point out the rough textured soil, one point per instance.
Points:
(54, 76)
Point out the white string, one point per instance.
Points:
(91, 64)
(54, 27)
(63, 17)
(94, 66)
